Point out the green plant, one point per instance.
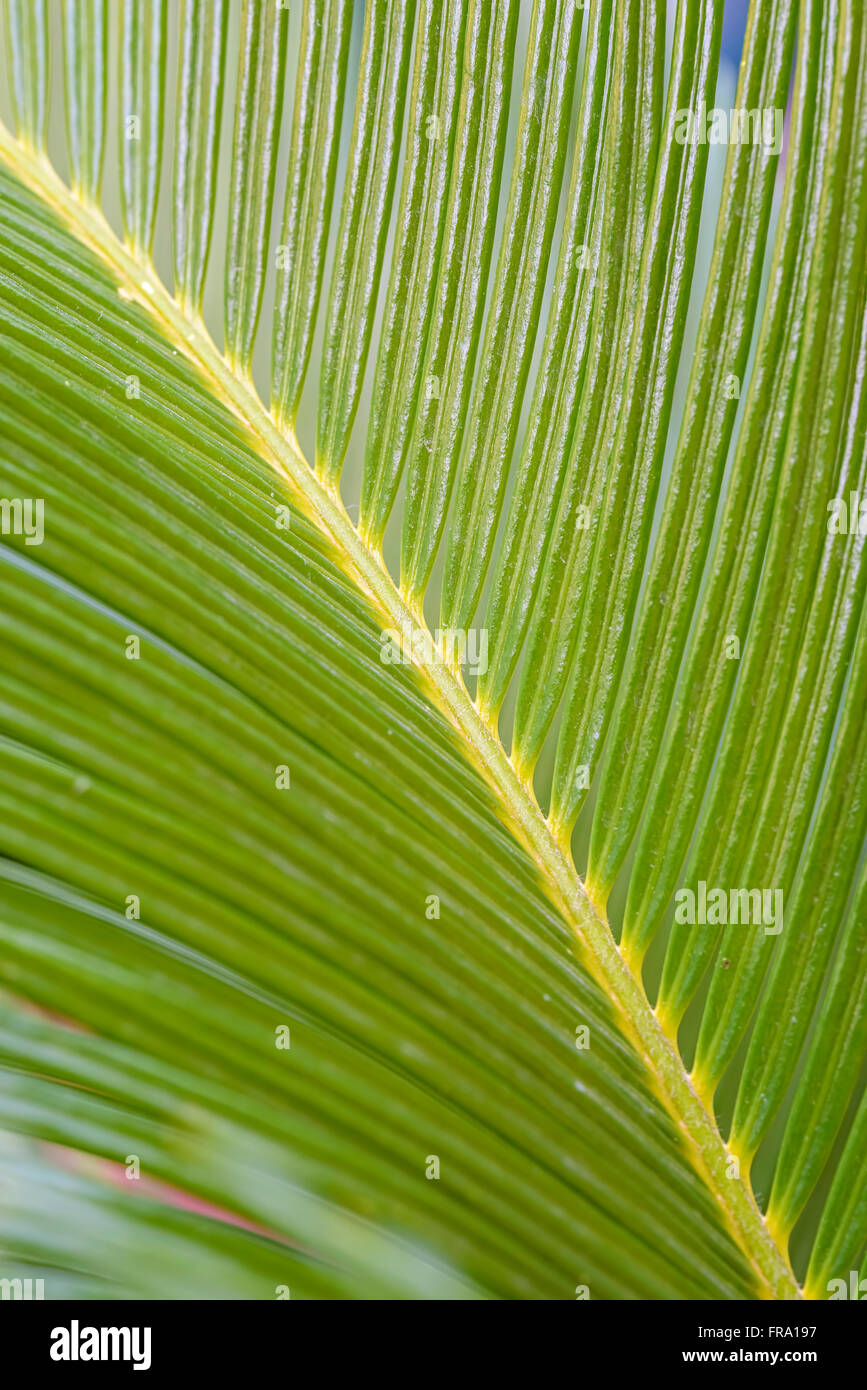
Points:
(298, 933)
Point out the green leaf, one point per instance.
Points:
(261, 75)
(543, 461)
(140, 136)
(367, 197)
(540, 152)
(26, 30)
(197, 143)
(718, 368)
(307, 988)
(418, 240)
(85, 25)
(320, 86)
(632, 137)
(453, 337)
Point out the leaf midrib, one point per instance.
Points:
(444, 685)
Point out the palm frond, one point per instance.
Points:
(342, 942)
